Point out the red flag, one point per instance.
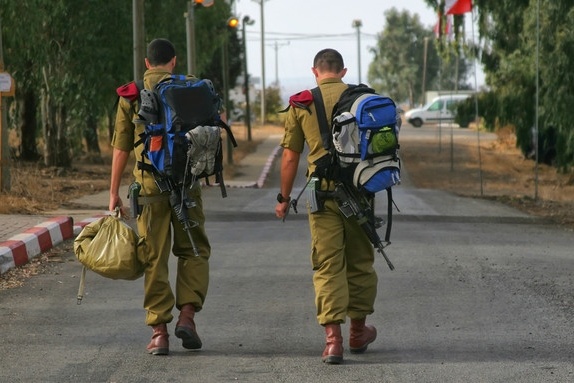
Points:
(457, 7)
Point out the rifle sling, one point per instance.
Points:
(389, 215)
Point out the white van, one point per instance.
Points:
(440, 109)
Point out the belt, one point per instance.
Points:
(322, 194)
(148, 200)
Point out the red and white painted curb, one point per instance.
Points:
(20, 249)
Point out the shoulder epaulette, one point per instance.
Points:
(300, 100)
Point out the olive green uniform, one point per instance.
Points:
(157, 223)
(341, 254)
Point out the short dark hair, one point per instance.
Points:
(160, 52)
(329, 60)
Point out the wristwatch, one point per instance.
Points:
(282, 199)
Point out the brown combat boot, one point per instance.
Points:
(185, 328)
(361, 336)
(159, 344)
(333, 353)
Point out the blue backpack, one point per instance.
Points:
(182, 135)
(363, 138)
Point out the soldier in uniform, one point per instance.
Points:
(157, 223)
(342, 256)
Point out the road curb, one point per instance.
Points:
(267, 167)
(21, 248)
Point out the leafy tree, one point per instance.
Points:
(398, 68)
(509, 37)
(67, 58)
(273, 103)
(20, 58)
(556, 79)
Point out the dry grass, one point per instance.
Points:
(36, 189)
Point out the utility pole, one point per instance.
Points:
(246, 21)
(358, 24)
(261, 3)
(426, 43)
(276, 46)
(138, 37)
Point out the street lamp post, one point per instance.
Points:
(190, 32)
(138, 37)
(232, 23)
(357, 23)
(190, 36)
(246, 21)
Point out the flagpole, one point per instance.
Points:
(537, 100)
(476, 112)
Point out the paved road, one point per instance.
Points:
(481, 293)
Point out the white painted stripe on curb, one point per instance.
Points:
(21, 248)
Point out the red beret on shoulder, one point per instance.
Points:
(129, 91)
(301, 100)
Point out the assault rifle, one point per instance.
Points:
(352, 203)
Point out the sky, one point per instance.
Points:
(295, 30)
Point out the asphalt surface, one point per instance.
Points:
(481, 293)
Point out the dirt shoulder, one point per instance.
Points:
(498, 171)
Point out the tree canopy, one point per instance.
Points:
(527, 51)
(68, 57)
(407, 54)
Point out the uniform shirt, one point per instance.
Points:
(302, 126)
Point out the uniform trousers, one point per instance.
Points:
(158, 224)
(342, 257)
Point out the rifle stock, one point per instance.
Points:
(352, 203)
(180, 203)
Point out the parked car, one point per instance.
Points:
(440, 109)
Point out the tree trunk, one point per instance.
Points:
(47, 128)
(28, 125)
(62, 148)
(91, 135)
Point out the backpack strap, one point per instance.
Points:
(322, 118)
